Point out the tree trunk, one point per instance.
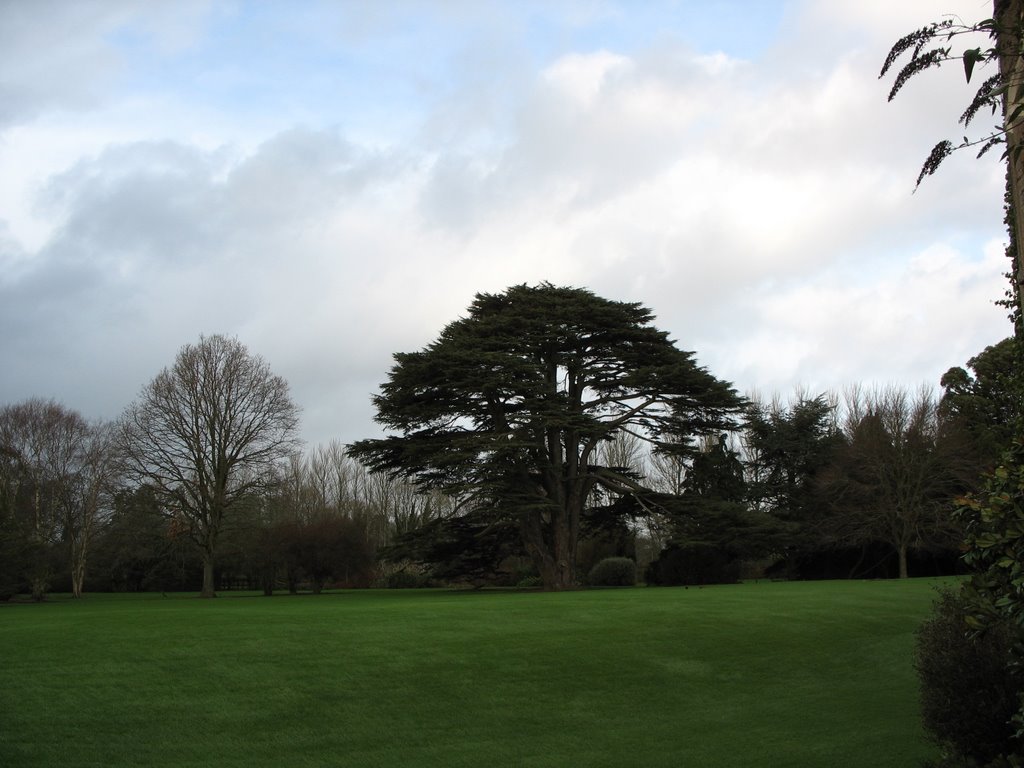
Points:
(79, 549)
(1008, 15)
(208, 585)
(553, 555)
(903, 561)
(78, 577)
(40, 583)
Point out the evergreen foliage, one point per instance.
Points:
(693, 564)
(968, 684)
(613, 572)
(510, 405)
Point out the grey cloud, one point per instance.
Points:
(160, 242)
(134, 206)
(696, 191)
(58, 55)
(300, 174)
(52, 54)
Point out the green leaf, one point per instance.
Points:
(971, 57)
(1012, 119)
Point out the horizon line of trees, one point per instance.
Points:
(829, 485)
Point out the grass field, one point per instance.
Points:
(769, 674)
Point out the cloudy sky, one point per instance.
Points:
(332, 182)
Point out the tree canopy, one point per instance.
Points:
(205, 435)
(510, 405)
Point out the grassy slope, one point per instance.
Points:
(796, 674)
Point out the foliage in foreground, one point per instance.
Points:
(968, 682)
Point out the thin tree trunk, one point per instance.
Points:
(79, 551)
(903, 561)
(78, 577)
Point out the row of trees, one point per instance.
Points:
(548, 429)
(565, 417)
(56, 472)
(71, 497)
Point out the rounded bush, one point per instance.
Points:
(692, 565)
(969, 684)
(613, 572)
(406, 580)
(530, 582)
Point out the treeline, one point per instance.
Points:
(858, 484)
(66, 527)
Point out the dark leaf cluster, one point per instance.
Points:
(917, 41)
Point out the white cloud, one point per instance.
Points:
(905, 326)
(762, 207)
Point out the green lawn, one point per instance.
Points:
(784, 674)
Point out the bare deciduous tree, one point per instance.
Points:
(206, 434)
(95, 481)
(897, 474)
(62, 467)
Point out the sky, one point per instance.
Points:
(333, 182)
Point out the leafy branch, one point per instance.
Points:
(930, 47)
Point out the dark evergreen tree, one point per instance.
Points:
(985, 402)
(509, 407)
(469, 548)
(138, 550)
(713, 528)
(788, 450)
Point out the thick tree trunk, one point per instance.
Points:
(208, 585)
(40, 584)
(903, 561)
(553, 554)
(1009, 15)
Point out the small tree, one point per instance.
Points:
(206, 434)
(89, 503)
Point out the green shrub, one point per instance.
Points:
(407, 580)
(530, 582)
(613, 572)
(969, 685)
(693, 564)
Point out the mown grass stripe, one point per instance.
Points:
(786, 674)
